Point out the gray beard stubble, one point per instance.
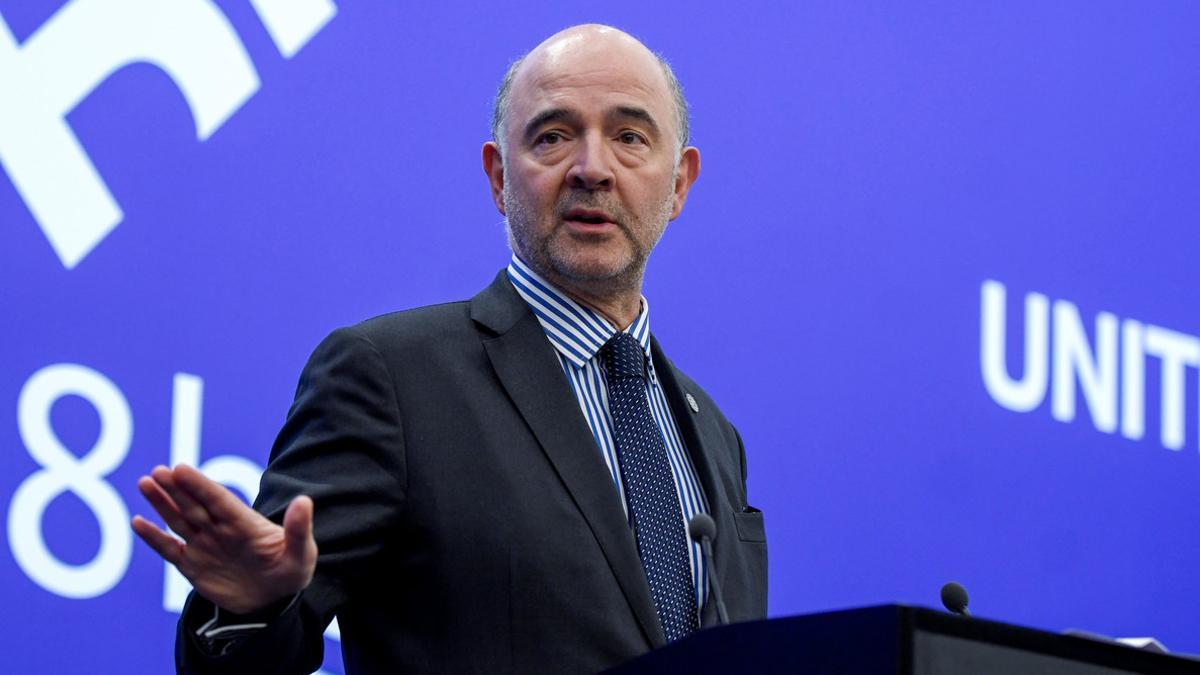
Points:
(538, 254)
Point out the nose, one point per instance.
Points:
(591, 167)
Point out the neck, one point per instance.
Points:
(619, 300)
(620, 310)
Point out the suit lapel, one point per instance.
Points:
(530, 372)
(700, 446)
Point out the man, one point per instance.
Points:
(498, 485)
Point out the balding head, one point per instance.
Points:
(589, 42)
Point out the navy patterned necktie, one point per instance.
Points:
(649, 487)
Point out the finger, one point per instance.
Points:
(164, 506)
(192, 512)
(221, 504)
(166, 546)
(298, 528)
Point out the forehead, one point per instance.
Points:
(590, 74)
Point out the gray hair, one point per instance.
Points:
(502, 105)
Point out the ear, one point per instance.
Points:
(685, 174)
(493, 166)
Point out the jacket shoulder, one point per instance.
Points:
(431, 322)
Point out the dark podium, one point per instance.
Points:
(899, 640)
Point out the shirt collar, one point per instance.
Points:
(577, 332)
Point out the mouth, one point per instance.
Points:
(588, 219)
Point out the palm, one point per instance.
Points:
(231, 554)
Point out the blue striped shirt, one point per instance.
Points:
(577, 334)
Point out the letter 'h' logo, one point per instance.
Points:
(77, 49)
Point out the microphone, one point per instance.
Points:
(954, 597)
(703, 531)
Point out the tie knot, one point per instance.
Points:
(624, 357)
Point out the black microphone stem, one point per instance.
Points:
(714, 585)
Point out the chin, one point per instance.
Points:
(592, 268)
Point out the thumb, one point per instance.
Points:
(298, 527)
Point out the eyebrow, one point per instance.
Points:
(545, 117)
(639, 114)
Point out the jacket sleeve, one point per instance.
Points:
(343, 446)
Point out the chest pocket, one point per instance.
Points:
(750, 525)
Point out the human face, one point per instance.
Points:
(591, 174)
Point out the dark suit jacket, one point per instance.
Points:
(465, 518)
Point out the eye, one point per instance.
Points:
(550, 138)
(631, 138)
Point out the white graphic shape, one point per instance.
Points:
(1074, 360)
(63, 472)
(1177, 352)
(292, 23)
(1112, 363)
(1133, 380)
(1028, 392)
(72, 54)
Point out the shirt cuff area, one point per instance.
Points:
(225, 630)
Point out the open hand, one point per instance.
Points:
(232, 554)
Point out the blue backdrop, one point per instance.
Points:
(938, 268)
